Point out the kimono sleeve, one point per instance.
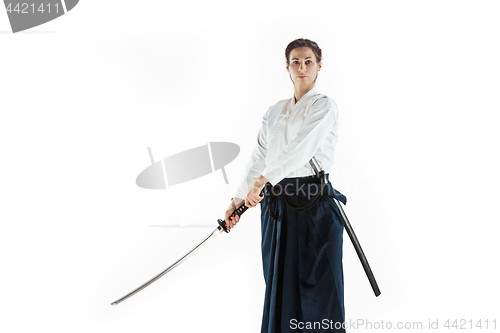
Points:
(257, 161)
(319, 121)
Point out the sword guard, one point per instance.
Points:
(222, 225)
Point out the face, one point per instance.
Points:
(303, 67)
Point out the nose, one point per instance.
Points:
(302, 68)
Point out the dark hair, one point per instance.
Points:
(301, 43)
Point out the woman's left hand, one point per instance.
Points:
(253, 196)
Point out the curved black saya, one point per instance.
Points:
(359, 250)
(350, 231)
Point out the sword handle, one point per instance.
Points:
(238, 211)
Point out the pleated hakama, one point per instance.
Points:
(302, 259)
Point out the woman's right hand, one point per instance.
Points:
(235, 203)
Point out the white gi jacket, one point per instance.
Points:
(291, 134)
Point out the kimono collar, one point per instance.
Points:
(304, 98)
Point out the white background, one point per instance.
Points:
(83, 96)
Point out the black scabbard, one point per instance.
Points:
(358, 249)
(321, 174)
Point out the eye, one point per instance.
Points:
(309, 61)
(295, 62)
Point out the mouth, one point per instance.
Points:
(302, 77)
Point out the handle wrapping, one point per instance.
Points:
(238, 211)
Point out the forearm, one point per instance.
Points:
(260, 181)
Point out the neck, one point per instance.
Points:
(301, 91)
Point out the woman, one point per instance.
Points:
(301, 236)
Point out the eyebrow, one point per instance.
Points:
(298, 58)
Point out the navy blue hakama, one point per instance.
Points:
(302, 258)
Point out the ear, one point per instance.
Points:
(319, 66)
(288, 70)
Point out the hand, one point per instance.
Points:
(235, 203)
(253, 196)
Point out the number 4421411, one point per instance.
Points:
(465, 324)
(26, 8)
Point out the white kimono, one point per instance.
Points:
(291, 134)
